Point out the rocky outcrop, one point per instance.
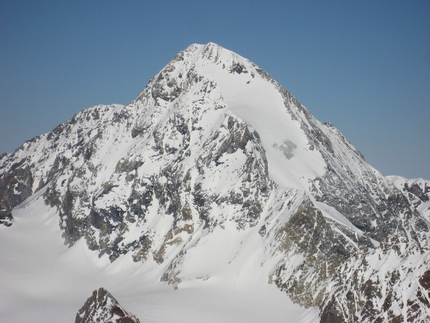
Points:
(417, 191)
(15, 186)
(102, 307)
(323, 245)
(381, 286)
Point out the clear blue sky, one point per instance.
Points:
(362, 65)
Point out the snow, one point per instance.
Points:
(334, 214)
(44, 281)
(256, 101)
(217, 276)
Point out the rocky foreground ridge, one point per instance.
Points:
(102, 307)
(214, 142)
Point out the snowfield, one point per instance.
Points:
(43, 281)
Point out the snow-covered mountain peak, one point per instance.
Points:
(216, 173)
(213, 53)
(228, 82)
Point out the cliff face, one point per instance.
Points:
(213, 144)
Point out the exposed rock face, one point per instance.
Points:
(417, 191)
(212, 141)
(15, 187)
(102, 307)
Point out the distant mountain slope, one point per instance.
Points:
(215, 170)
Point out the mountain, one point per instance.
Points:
(216, 175)
(103, 307)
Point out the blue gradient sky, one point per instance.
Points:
(362, 65)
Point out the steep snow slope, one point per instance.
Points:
(251, 96)
(217, 179)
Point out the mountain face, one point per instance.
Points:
(214, 148)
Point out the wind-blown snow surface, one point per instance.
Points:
(41, 280)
